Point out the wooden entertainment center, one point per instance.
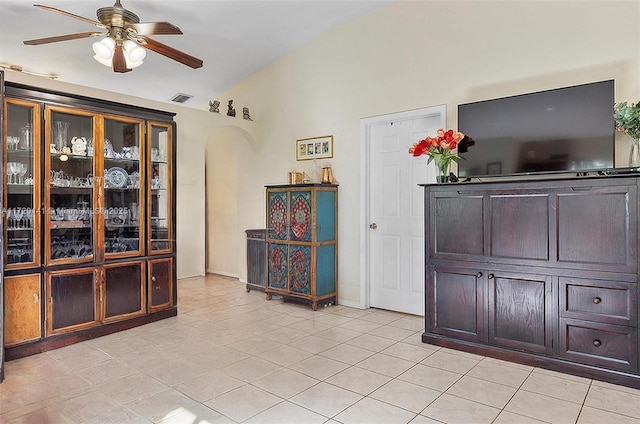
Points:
(542, 272)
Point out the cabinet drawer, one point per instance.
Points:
(611, 346)
(602, 301)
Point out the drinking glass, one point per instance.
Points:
(22, 169)
(60, 131)
(12, 170)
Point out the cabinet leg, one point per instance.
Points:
(268, 296)
(314, 306)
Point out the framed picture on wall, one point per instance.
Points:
(314, 148)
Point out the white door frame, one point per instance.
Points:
(365, 165)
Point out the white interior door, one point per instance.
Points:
(396, 216)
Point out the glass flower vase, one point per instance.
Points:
(442, 170)
(634, 153)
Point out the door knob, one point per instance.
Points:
(373, 225)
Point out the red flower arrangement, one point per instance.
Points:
(440, 149)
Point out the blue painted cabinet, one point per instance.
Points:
(302, 242)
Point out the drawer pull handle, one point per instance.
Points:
(479, 275)
(597, 343)
(491, 276)
(597, 300)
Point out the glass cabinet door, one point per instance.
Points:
(123, 198)
(22, 214)
(71, 161)
(159, 187)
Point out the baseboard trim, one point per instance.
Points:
(350, 303)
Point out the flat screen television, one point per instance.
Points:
(562, 130)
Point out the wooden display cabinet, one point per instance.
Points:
(90, 217)
(302, 242)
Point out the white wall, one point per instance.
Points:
(418, 54)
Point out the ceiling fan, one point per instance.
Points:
(125, 40)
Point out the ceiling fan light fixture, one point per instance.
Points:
(104, 48)
(105, 62)
(135, 52)
(131, 64)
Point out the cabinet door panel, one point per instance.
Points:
(300, 269)
(277, 214)
(520, 226)
(69, 183)
(22, 309)
(278, 266)
(122, 192)
(456, 304)
(123, 292)
(160, 283)
(519, 309)
(159, 185)
(300, 216)
(22, 190)
(72, 300)
(447, 233)
(596, 228)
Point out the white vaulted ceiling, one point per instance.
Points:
(234, 38)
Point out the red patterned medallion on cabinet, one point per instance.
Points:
(278, 216)
(301, 217)
(300, 269)
(278, 266)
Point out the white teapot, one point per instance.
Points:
(79, 146)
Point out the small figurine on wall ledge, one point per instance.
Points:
(214, 106)
(245, 114)
(231, 111)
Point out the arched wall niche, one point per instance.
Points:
(225, 149)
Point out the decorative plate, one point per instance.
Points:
(116, 177)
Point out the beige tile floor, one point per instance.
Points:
(234, 357)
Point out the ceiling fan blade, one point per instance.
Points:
(57, 38)
(71, 15)
(169, 52)
(155, 28)
(119, 62)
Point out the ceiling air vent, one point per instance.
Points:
(181, 98)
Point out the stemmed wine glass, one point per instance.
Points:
(12, 171)
(22, 169)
